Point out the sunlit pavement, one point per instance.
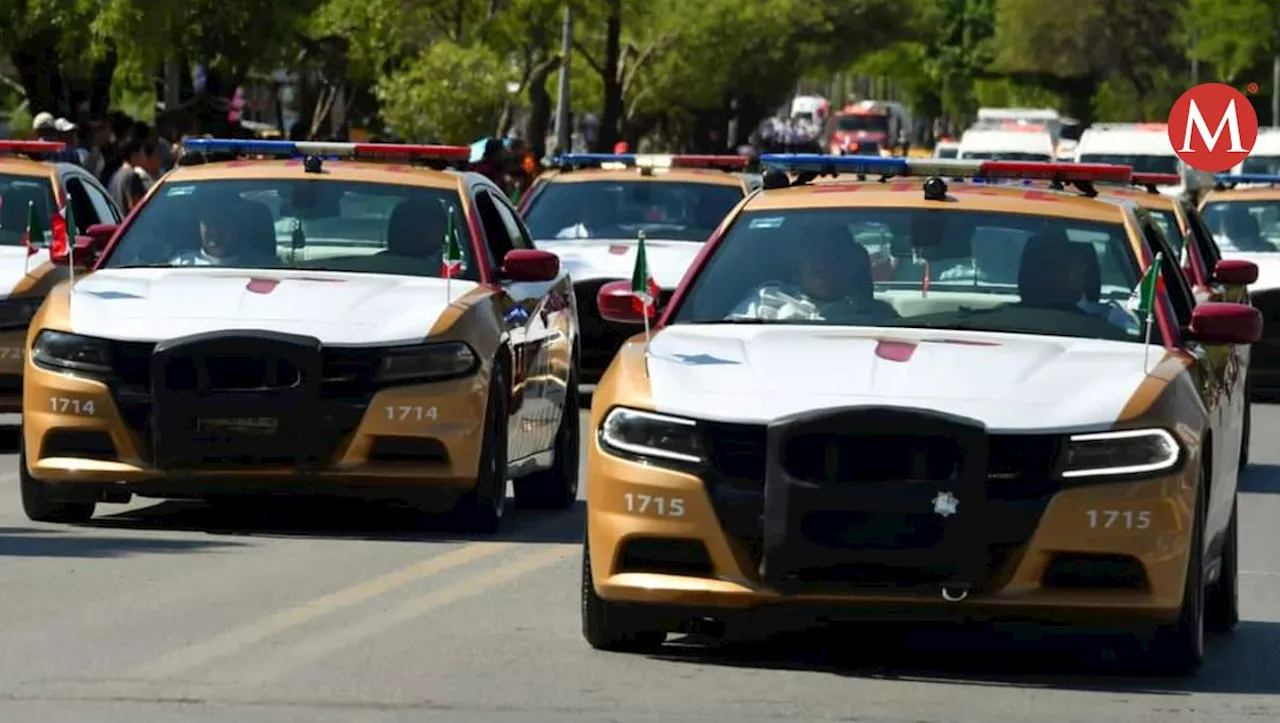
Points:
(160, 612)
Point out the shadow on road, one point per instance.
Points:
(33, 542)
(1261, 478)
(1242, 663)
(341, 518)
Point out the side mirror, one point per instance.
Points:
(1216, 322)
(530, 265)
(617, 303)
(82, 252)
(101, 234)
(1236, 272)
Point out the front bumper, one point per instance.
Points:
(1034, 555)
(98, 433)
(12, 348)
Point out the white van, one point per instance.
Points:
(1026, 143)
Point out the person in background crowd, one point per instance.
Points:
(129, 183)
(67, 134)
(520, 168)
(490, 164)
(46, 128)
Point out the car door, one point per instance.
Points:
(548, 337)
(1221, 378)
(1209, 254)
(518, 303)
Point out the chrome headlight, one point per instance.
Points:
(648, 434)
(1126, 452)
(60, 351)
(427, 362)
(17, 313)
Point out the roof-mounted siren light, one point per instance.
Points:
(320, 149)
(818, 164)
(1152, 181)
(31, 148)
(1228, 180)
(595, 160)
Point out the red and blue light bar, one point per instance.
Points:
(947, 167)
(1155, 179)
(31, 147)
(1262, 179)
(353, 151)
(650, 160)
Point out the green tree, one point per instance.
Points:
(1074, 53)
(449, 93)
(46, 41)
(1236, 36)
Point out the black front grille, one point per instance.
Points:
(346, 391)
(1022, 477)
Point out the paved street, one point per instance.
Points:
(162, 612)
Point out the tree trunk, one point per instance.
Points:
(540, 108)
(39, 67)
(612, 115)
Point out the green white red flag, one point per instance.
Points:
(451, 264)
(643, 287)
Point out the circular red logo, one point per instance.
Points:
(1213, 127)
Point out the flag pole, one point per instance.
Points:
(1150, 302)
(69, 231)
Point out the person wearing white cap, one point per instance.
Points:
(67, 130)
(46, 128)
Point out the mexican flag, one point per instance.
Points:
(643, 286)
(451, 264)
(33, 237)
(1142, 301)
(63, 231)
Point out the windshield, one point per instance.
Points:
(1006, 156)
(17, 193)
(1168, 223)
(921, 268)
(1140, 163)
(1244, 225)
(862, 123)
(1261, 164)
(278, 223)
(668, 210)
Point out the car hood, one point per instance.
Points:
(15, 264)
(337, 308)
(1010, 382)
(595, 258)
(1268, 268)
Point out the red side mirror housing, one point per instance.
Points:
(617, 303)
(81, 253)
(101, 234)
(530, 265)
(1236, 272)
(1216, 322)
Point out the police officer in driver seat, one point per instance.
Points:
(833, 283)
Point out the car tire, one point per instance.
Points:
(482, 509)
(557, 488)
(1222, 610)
(37, 501)
(1178, 648)
(608, 626)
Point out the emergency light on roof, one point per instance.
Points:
(644, 160)
(1151, 180)
(354, 151)
(1233, 179)
(813, 163)
(27, 147)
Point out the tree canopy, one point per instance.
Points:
(668, 70)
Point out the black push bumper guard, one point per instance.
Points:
(239, 397)
(958, 562)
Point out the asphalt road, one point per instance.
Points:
(163, 612)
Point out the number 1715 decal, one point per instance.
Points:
(1119, 519)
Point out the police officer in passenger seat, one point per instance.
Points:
(834, 284)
